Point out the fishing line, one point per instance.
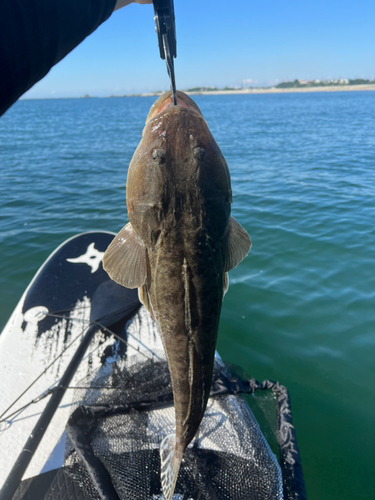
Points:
(111, 332)
(51, 390)
(70, 310)
(34, 401)
(36, 380)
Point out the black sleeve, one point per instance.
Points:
(37, 34)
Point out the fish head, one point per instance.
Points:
(177, 167)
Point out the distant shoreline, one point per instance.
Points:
(267, 90)
(274, 90)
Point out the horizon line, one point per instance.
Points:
(228, 91)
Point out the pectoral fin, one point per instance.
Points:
(236, 245)
(125, 259)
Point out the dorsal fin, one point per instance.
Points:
(225, 284)
(144, 298)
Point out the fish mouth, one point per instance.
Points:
(165, 101)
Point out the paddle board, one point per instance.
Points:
(52, 315)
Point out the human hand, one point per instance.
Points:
(122, 3)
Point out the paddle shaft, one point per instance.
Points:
(15, 476)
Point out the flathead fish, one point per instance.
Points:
(177, 249)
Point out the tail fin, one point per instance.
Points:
(170, 465)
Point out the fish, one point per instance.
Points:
(177, 249)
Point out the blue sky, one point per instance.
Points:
(220, 43)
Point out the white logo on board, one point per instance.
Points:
(92, 258)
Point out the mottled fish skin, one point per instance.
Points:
(178, 246)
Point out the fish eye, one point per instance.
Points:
(158, 154)
(199, 153)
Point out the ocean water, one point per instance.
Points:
(301, 308)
